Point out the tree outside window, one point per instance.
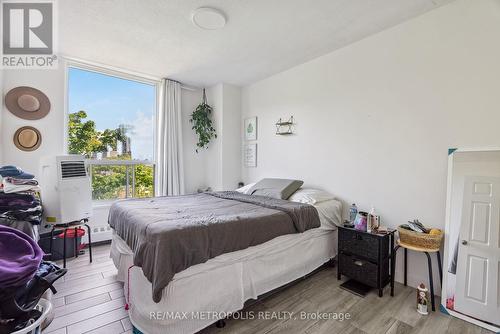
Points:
(103, 146)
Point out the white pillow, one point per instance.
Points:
(245, 189)
(330, 214)
(311, 196)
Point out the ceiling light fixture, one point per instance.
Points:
(208, 18)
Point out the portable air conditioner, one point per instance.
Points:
(65, 189)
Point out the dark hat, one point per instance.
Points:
(27, 103)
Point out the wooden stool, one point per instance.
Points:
(64, 228)
(429, 264)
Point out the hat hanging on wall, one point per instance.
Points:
(27, 138)
(27, 103)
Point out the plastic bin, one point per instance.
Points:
(35, 328)
(58, 243)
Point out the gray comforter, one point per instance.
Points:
(170, 234)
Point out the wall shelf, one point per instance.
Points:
(284, 128)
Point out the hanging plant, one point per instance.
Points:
(202, 123)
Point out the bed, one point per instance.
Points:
(206, 292)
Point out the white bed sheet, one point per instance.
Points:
(222, 284)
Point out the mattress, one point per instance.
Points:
(172, 233)
(203, 293)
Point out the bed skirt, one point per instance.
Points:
(205, 293)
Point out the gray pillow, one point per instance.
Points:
(275, 188)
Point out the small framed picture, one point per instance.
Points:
(250, 155)
(251, 128)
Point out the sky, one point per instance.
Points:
(111, 101)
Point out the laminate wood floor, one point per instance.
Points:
(90, 300)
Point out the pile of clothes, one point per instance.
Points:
(21, 206)
(24, 278)
(14, 180)
(19, 200)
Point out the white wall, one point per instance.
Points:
(213, 153)
(194, 171)
(375, 119)
(223, 156)
(231, 138)
(51, 127)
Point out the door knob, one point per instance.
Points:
(464, 242)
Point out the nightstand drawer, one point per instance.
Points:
(360, 270)
(361, 244)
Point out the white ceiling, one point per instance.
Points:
(261, 37)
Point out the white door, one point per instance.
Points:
(478, 269)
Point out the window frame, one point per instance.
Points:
(128, 163)
(120, 74)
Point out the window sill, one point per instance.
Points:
(102, 204)
(107, 203)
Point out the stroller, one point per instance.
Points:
(24, 278)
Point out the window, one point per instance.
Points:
(111, 122)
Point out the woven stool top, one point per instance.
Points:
(416, 248)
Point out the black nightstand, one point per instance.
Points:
(365, 258)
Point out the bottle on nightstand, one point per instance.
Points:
(353, 212)
(370, 224)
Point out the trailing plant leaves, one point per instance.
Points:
(202, 125)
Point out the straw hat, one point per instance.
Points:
(27, 103)
(27, 138)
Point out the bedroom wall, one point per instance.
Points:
(231, 137)
(213, 153)
(375, 119)
(51, 127)
(194, 173)
(223, 156)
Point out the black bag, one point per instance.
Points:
(17, 304)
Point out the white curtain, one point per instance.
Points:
(169, 171)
